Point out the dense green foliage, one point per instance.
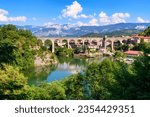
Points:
(123, 47)
(74, 87)
(12, 83)
(65, 52)
(91, 35)
(16, 46)
(20, 48)
(48, 44)
(81, 49)
(142, 46)
(105, 80)
(146, 32)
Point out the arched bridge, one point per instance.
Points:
(90, 41)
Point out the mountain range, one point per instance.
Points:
(68, 30)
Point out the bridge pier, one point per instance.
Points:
(68, 44)
(53, 46)
(112, 46)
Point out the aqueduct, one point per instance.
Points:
(91, 42)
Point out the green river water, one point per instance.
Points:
(65, 68)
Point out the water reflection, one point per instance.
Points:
(39, 74)
(64, 70)
(66, 67)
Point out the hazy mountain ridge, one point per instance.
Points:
(119, 33)
(68, 30)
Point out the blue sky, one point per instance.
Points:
(77, 12)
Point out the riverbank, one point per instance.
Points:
(45, 59)
(88, 55)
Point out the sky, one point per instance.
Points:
(75, 12)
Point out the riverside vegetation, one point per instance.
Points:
(106, 80)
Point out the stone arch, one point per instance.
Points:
(72, 43)
(124, 41)
(109, 44)
(136, 40)
(80, 42)
(132, 41)
(65, 43)
(47, 39)
(58, 42)
(100, 42)
(94, 42)
(117, 42)
(87, 42)
(108, 41)
(52, 48)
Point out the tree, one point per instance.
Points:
(146, 32)
(123, 47)
(119, 54)
(51, 91)
(142, 77)
(132, 81)
(48, 44)
(74, 87)
(12, 83)
(7, 49)
(18, 47)
(65, 52)
(142, 46)
(99, 78)
(123, 76)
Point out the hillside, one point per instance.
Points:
(114, 33)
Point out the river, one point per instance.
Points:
(65, 68)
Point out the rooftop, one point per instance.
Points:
(132, 52)
(142, 37)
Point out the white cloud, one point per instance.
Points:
(79, 23)
(17, 19)
(120, 17)
(104, 19)
(68, 26)
(3, 12)
(141, 20)
(83, 16)
(73, 10)
(140, 27)
(5, 18)
(93, 22)
(48, 24)
(58, 26)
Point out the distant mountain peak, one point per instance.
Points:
(64, 30)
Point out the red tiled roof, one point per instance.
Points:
(132, 52)
(142, 37)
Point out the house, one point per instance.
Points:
(133, 53)
(145, 38)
